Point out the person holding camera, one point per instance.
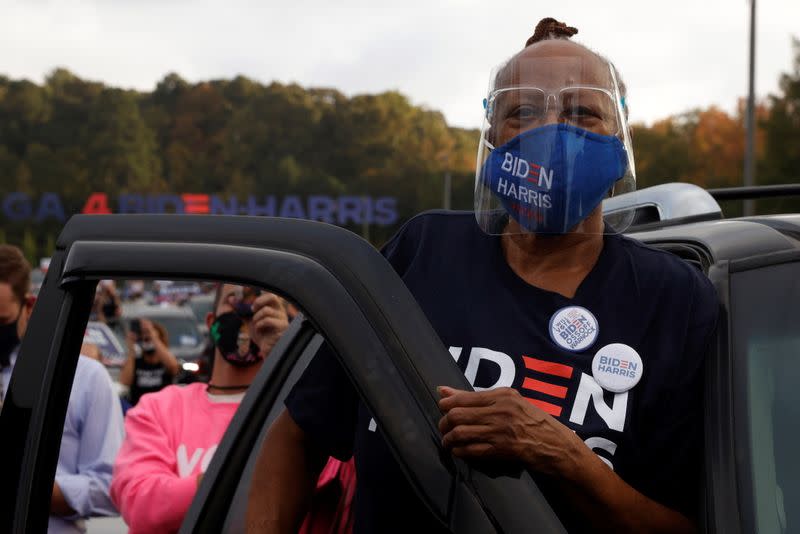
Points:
(107, 307)
(150, 365)
(172, 435)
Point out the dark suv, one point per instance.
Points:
(352, 298)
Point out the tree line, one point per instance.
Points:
(706, 146)
(241, 137)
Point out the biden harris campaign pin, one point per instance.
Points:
(617, 367)
(574, 328)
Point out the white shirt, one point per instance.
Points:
(93, 432)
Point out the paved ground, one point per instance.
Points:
(106, 525)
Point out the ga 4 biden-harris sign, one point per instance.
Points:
(340, 210)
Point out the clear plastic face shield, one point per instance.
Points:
(554, 143)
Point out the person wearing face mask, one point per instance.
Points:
(107, 306)
(171, 435)
(150, 365)
(585, 348)
(15, 308)
(93, 426)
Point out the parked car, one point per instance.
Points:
(352, 298)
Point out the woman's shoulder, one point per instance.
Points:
(90, 366)
(440, 222)
(657, 266)
(644, 253)
(432, 233)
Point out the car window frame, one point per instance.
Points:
(304, 350)
(721, 497)
(742, 476)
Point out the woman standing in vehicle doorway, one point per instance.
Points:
(585, 347)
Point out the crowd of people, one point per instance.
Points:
(554, 143)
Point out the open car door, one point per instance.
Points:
(351, 298)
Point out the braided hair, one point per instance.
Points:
(549, 28)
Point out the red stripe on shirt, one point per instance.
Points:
(552, 409)
(550, 368)
(544, 387)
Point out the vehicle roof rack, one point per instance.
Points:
(757, 191)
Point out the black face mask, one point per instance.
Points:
(8, 342)
(230, 336)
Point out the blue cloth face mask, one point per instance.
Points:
(551, 178)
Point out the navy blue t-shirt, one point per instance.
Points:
(502, 331)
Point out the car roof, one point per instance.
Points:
(732, 239)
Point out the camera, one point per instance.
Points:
(244, 307)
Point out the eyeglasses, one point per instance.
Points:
(587, 107)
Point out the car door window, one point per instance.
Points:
(235, 461)
(113, 373)
(235, 520)
(765, 336)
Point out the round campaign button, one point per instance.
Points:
(617, 367)
(574, 328)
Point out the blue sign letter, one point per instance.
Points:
(17, 206)
(50, 206)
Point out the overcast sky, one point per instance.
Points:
(674, 56)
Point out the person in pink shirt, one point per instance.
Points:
(172, 435)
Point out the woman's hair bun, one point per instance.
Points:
(550, 28)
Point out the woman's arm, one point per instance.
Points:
(501, 424)
(281, 491)
(611, 503)
(127, 371)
